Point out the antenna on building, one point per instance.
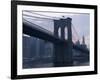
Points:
(83, 42)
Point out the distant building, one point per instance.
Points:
(83, 43)
(78, 43)
(80, 58)
(36, 51)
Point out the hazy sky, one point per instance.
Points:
(80, 21)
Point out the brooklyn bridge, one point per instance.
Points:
(56, 48)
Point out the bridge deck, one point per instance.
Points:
(32, 30)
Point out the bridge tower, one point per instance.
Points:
(63, 50)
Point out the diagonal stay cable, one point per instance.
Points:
(43, 15)
(75, 31)
(37, 17)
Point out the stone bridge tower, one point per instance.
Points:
(63, 50)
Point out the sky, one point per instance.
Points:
(80, 21)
